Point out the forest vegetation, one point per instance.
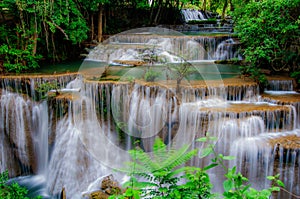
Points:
(37, 31)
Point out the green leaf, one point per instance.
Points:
(246, 188)
(213, 139)
(205, 152)
(280, 183)
(228, 185)
(266, 193)
(210, 166)
(228, 157)
(275, 189)
(202, 139)
(270, 177)
(136, 195)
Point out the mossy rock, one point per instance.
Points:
(98, 195)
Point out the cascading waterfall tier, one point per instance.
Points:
(285, 98)
(281, 85)
(190, 15)
(120, 107)
(29, 84)
(23, 130)
(163, 48)
(83, 130)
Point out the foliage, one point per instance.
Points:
(13, 190)
(151, 75)
(268, 29)
(45, 87)
(255, 74)
(16, 58)
(162, 172)
(236, 186)
(179, 72)
(36, 27)
(296, 75)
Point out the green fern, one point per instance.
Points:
(160, 171)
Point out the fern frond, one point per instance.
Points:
(143, 159)
(179, 157)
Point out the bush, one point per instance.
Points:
(164, 175)
(151, 75)
(268, 29)
(18, 60)
(13, 190)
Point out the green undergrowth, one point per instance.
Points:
(12, 190)
(163, 174)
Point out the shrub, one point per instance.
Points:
(164, 176)
(268, 29)
(12, 190)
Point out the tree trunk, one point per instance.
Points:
(204, 5)
(100, 22)
(224, 8)
(92, 27)
(104, 22)
(152, 11)
(231, 6)
(178, 90)
(156, 19)
(35, 36)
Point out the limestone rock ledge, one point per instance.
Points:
(109, 186)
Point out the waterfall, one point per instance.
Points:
(73, 139)
(258, 159)
(40, 126)
(24, 124)
(193, 15)
(261, 159)
(227, 50)
(84, 122)
(280, 85)
(165, 48)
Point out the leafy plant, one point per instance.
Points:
(151, 75)
(179, 72)
(296, 75)
(45, 87)
(255, 74)
(162, 171)
(32, 28)
(12, 190)
(18, 60)
(268, 29)
(236, 185)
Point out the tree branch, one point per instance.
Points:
(61, 30)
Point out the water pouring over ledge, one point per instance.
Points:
(83, 127)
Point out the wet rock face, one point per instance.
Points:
(16, 131)
(98, 195)
(287, 142)
(108, 187)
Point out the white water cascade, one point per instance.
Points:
(75, 138)
(191, 15)
(165, 47)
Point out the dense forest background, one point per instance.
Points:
(33, 31)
